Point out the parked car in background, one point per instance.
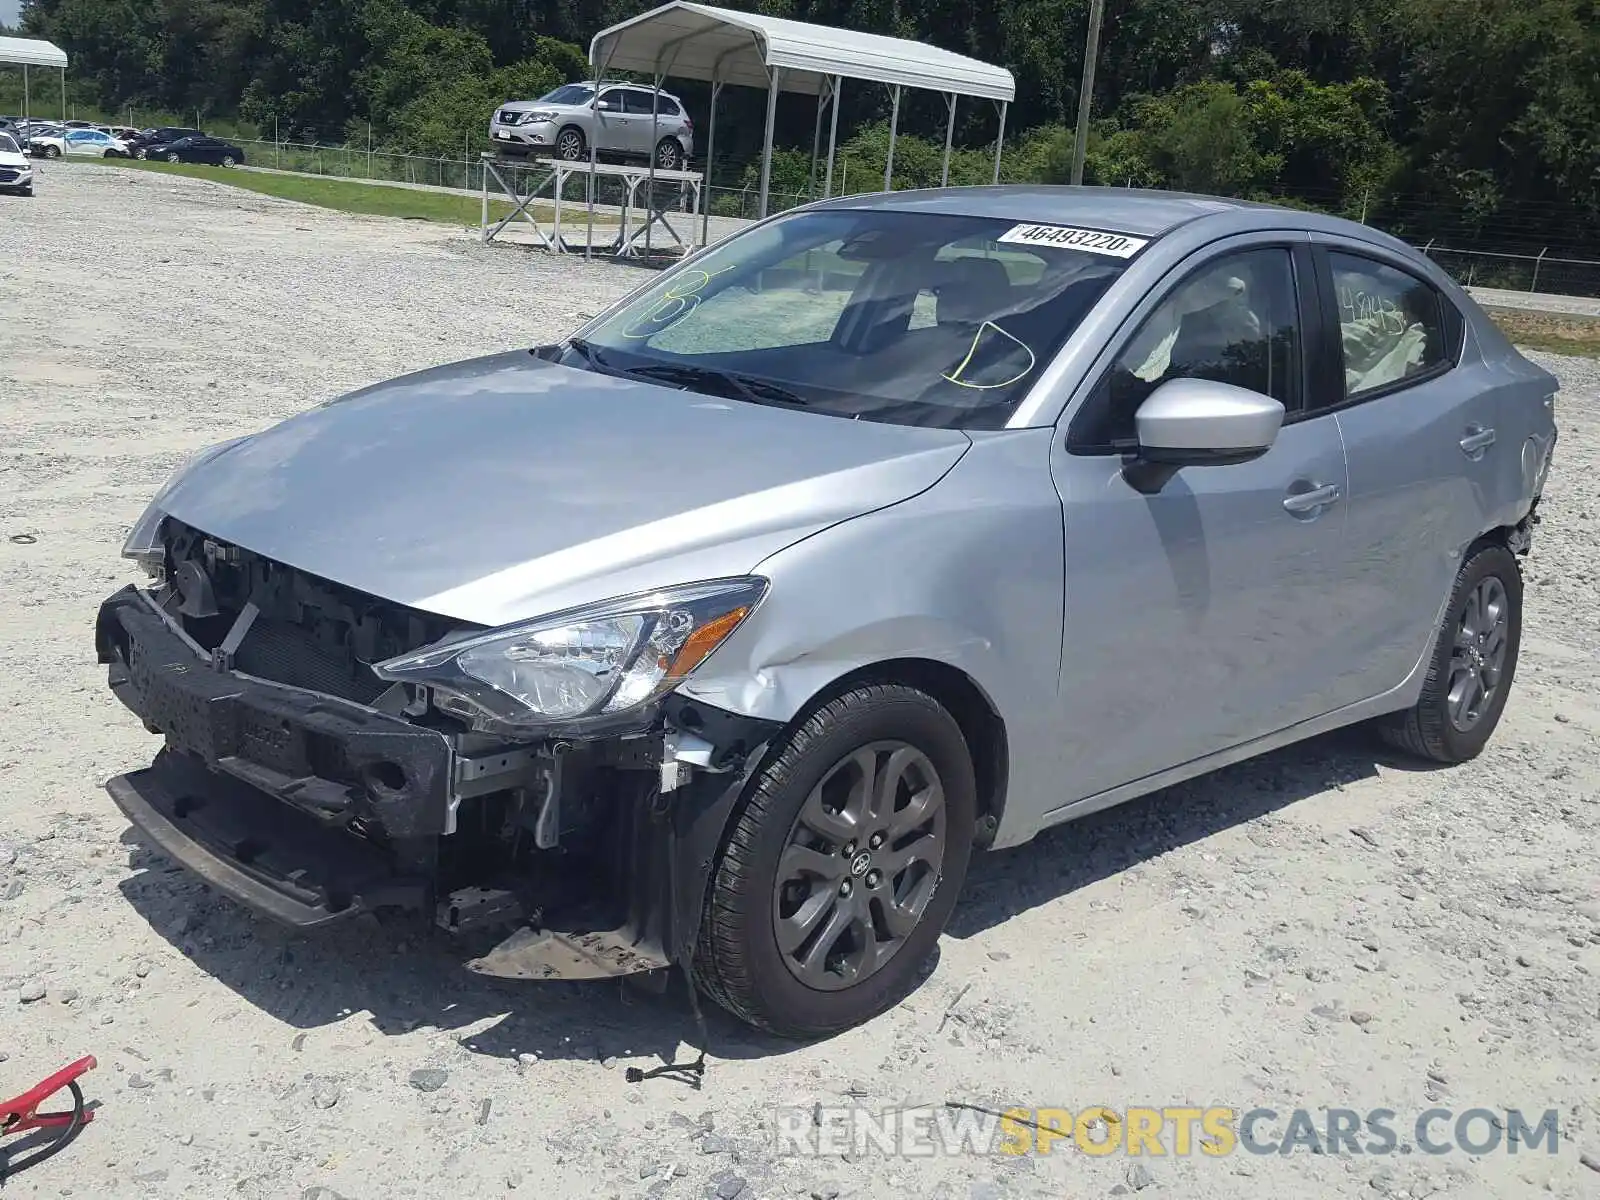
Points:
(563, 124)
(159, 134)
(83, 143)
(1004, 506)
(195, 148)
(16, 168)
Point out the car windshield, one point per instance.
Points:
(568, 93)
(7, 146)
(903, 317)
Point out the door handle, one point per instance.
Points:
(1318, 497)
(1478, 440)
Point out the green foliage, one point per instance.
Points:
(1487, 110)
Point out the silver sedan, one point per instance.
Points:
(720, 634)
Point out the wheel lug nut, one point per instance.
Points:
(877, 840)
(849, 849)
(844, 888)
(873, 878)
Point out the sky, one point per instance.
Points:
(10, 11)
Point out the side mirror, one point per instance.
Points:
(604, 105)
(1196, 422)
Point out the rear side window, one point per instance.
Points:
(1392, 325)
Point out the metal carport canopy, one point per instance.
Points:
(695, 41)
(30, 52)
(721, 46)
(26, 52)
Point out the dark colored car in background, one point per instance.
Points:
(159, 135)
(196, 148)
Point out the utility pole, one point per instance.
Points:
(1080, 143)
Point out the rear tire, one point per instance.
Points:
(172, 158)
(1474, 661)
(141, 153)
(856, 935)
(227, 160)
(52, 152)
(669, 154)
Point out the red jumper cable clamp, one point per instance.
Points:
(22, 1114)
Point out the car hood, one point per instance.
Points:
(8, 159)
(505, 487)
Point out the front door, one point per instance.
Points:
(1206, 614)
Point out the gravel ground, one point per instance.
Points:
(1325, 927)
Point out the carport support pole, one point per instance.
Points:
(63, 106)
(27, 110)
(949, 137)
(594, 159)
(711, 148)
(833, 134)
(894, 124)
(1000, 141)
(773, 82)
(816, 151)
(655, 132)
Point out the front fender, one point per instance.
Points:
(968, 574)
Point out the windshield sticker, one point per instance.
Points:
(955, 376)
(1095, 241)
(680, 299)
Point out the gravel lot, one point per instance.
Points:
(1326, 927)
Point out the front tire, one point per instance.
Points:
(172, 158)
(842, 865)
(227, 160)
(52, 152)
(1474, 661)
(571, 146)
(141, 153)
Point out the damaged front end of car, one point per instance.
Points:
(540, 790)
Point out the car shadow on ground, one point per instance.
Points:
(409, 977)
(1065, 858)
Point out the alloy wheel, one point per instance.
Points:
(570, 146)
(1478, 654)
(861, 862)
(667, 155)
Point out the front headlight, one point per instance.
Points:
(538, 116)
(594, 661)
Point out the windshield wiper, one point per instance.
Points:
(590, 354)
(742, 387)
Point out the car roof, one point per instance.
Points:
(1127, 210)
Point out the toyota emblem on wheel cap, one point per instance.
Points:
(860, 863)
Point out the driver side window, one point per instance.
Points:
(1232, 321)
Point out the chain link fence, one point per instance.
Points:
(1557, 274)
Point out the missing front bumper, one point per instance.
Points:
(279, 862)
(340, 762)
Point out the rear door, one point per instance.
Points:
(1424, 453)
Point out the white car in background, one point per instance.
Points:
(16, 168)
(90, 143)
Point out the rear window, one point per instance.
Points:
(908, 318)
